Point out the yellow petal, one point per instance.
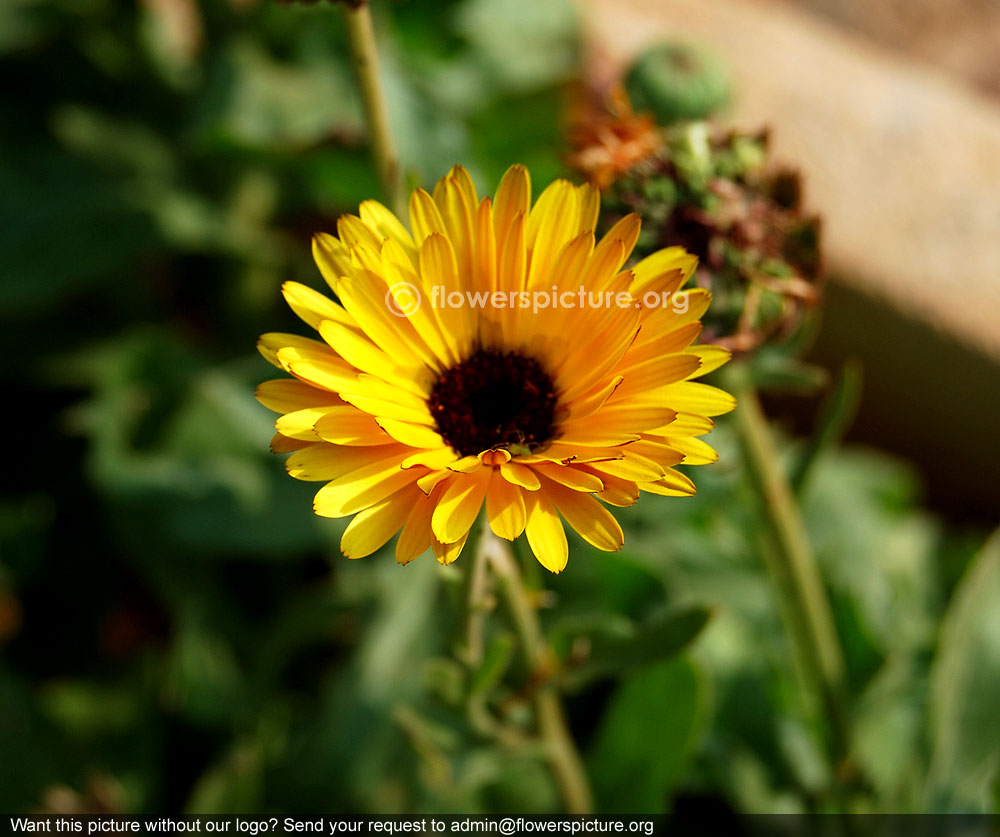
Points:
(282, 444)
(671, 484)
(365, 299)
(552, 223)
(702, 399)
(386, 225)
(618, 491)
(712, 357)
(333, 258)
(435, 479)
(446, 553)
(567, 453)
(312, 306)
(371, 528)
(513, 263)
(688, 424)
(301, 424)
(286, 395)
(654, 374)
(679, 309)
(458, 215)
(595, 364)
(664, 271)
(361, 353)
(695, 451)
(513, 199)
(521, 475)
(625, 231)
(615, 425)
(391, 409)
(415, 537)
(439, 267)
(414, 435)
(466, 465)
(569, 476)
(590, 207)
(433, 459)
(603, 263)
(486, 247)
(463, 181)
(545, 532)
(505, 508)
(630, 467)
(363, 486)
(590, 402)
(654, 342)
(352, 231)
(349, 426)
(318, 369)
(658, 452)
(413, 299)
(270, 344)
(425, 218)
(323, 462)
(459, 505)
(595, 524)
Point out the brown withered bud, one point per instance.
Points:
(718, 195)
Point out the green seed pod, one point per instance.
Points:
(678, 81)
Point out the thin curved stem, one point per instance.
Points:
(792, 565)
(474, 598)
(563, 755)
(361, 36)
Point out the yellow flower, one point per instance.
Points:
(492, 353)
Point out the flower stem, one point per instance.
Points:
(474, 598)
(792, 565)
(564, 758)
(361, 35)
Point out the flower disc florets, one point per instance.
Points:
(494, 399)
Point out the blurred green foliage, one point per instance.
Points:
(180, 634)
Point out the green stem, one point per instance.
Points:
(564, 758)
(792, 564)
(361, 35)
(474, 599)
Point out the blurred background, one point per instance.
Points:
(178, 632)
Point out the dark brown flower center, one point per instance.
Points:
(494, 399)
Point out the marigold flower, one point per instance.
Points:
(436, 388)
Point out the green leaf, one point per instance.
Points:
(230, 787)
(836, 414)
(776, 371)
(89, 709)
(656, 640)
(258, 102)
(52, 196)
(203, 681)
(523, 44)
(889, 734)
(876, 549)
(495, 663)
(647, 735)
(965, 685)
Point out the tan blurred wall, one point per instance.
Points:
(902, 159)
